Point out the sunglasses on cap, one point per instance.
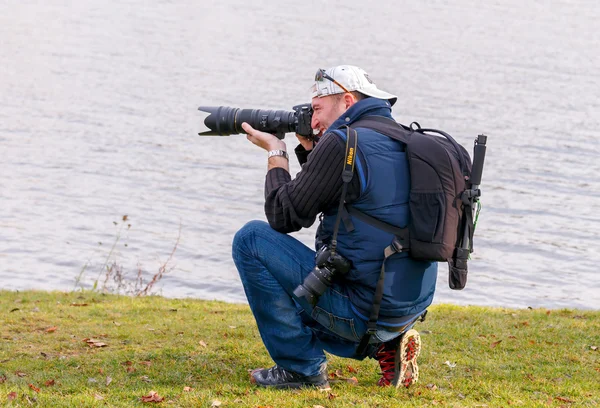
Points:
(321, 75)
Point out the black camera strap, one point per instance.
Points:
(347, 174)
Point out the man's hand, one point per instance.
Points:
(268, 142)
(264, 140)
(307, 144)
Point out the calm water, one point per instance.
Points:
(98, 119)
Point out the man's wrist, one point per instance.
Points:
(278, 145)
(278, 153)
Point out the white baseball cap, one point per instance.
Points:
(347, 78)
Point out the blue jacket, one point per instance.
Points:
(409, 284)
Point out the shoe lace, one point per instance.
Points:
(386, 357)
(280, 374)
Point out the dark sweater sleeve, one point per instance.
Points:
(294, 204)
(301, 154)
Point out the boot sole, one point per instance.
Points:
(406, 359)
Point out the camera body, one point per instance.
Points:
(327, 267)
(225, 121)
(303, 114)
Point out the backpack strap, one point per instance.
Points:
(400, 233)
(394, 248)
(400, 242)
(385, 126)
(389, 128)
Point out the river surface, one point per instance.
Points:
(98, 120)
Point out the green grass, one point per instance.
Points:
(503, 357)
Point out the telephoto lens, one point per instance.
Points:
(225, 121)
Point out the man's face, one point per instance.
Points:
(326, 110)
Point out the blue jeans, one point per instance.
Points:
(271, 265)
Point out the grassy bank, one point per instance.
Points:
(87, 349)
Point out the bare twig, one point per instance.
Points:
(163, 268)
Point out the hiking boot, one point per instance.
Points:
(278, 377)
(398, 360)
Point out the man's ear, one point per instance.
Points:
(349, 100)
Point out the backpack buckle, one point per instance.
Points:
(397, 245)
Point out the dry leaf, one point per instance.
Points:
(79, 304)
(98, 397)
(216, 403)
(449, 364)
(108, 380)
(20, 374)
(127, 363)
(145, 378)
(94, 343)
(51, 329)
(12, 396)
(331, 396)
(130, 369)
(432, 387)
(146, 363)
(318, 406)
(152, 397)
(353, 380)
(33, 387)
(494, 344)
(202, 343)
(187, 389)
(352, 369)
(594, 348)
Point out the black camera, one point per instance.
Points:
(328, 265)
(225, 121)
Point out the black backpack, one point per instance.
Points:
(444, 191)
(442, 196)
